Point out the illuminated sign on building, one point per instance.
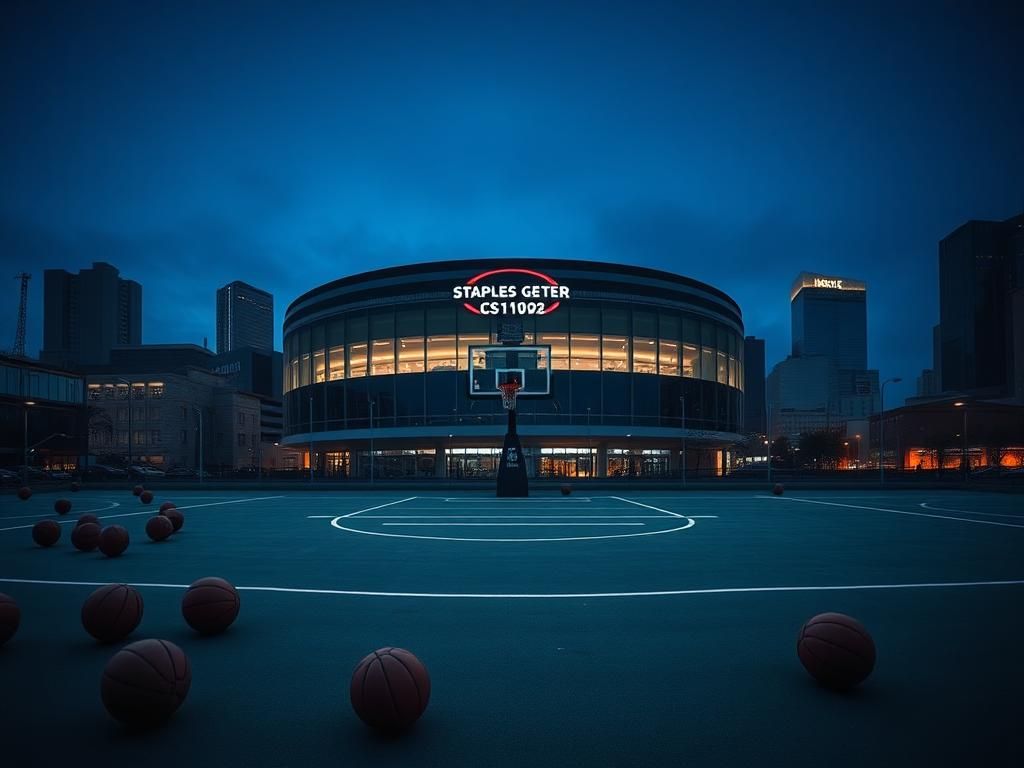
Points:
(811, 280)
(511, 291)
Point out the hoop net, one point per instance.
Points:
(509, 390)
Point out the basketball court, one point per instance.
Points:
(598, 629)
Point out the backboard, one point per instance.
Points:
(490, 365)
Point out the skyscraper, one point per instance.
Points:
(245, 318)
(830, 318)
(86, 315)
(753, 386)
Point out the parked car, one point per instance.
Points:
(144, 471)
(59, 474)
(31, 473)
(103, 472)
(180, 472)
(7, 477)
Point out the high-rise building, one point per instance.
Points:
(753, 386)
(830, 318)
(245, 318)
(88, 314)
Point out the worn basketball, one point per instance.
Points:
(166, 505)
(390, 689)
(566, 490)
(113, 540)
(62, 506)
(10, 617)
(46, 533)
(75, 487)
(112, 612)
(86, 536)
(175, 516)
(836, 650)
(145, 682)
(24, 493)
(137, 490)
(88, 517)
(146, 497)
(210, 605)
(778, 489)
(159, 528)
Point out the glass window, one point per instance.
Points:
(441, 353)
(319, 366)
(723, 367)
(183, 436)
(708, 367)
(382, 357)
(154, 414)
(138, 391)
(559, 349)
(139, 413)
(154, 437)
(410, 354)
(356, 329)
(615, 353)
(465, 341)
(585, 352)
(668, 326)
(336, 362)
(645, 343)
(357, 354)
(441, 321)
(241, 438)
(305, 369)
(668, 358)
(139, 437)
(156, 389)
(409, 322)
(95, 392)
(382, 325)
(108, 391)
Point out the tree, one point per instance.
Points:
(782, 453)
(821, 449)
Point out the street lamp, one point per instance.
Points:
(450, 457)
(682, 428)
(590, 450)
(846, 446)
(311, 438)
(371, 439)
(881, 428)
(28, 404)
(965, 459)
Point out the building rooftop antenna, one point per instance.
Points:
(19, 335)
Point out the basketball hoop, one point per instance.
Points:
(509, 390)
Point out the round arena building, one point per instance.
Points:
(625, 371)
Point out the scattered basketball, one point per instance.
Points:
(390, 689)
(145, 682)
(146, 497)
(24, 493)
(46, 533)
(86, 536)
(62, 506)
(10, 617)
(836, 650)
(113, 540)
(112, 612)
(566, 490)
(210, 605)
(137, 490)
(88, 517)
(778, 489)
(159, 528)
(175, 516)
(75, 487)
(166, 505)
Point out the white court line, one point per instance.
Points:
(894, 511)
(510, 525)
(556, 595)
(379, 506)
(505, 502)
(648, 506)
(73, 511)
(517, 517)
(969, 512)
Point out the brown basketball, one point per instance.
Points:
(836, 650)
(175, 516)
(113, 540)
(10, 617)
(111, 613)
(167, 505)
(210, 605)
(88, 517)
(159, 528)
(146, 497)
(75, 487)
(86, 536)
(145, 682)
(137, 490)
(62, 506)
(390, 689)
(46, 533)
(566, 490)
(778, 489)
(24, 493)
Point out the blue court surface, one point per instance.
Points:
(636, 629)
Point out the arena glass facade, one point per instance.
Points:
(644, 363)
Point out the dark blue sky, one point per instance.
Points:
(207, 142)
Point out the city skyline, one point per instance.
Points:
(636, 138)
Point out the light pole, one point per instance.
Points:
(768, 427)
(857, 462)
(199, 413)
(964, 460)
(311, 438)
(371, 440)
(881, 428)
(449, 457)
(24, 478)
(590, 450)
(131, 402)
(846, 450)
(682, 433)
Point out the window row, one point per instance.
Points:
(24, 382)
(138, 391)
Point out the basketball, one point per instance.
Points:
(75, 486)
(166, 505)
(88, 517)
(62, 506)
(10, 617)
(159, 528)
(175, 516)
(146, 497)
(390, 689)
(24, 493)
(86, 536)
(778, 489)
(836, 650)
(566, 490)
(46, 533)
(112, 612)
(210, 605)
(113, 540)
(145, 682)
(137, 490)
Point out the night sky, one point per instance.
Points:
(207, 142)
